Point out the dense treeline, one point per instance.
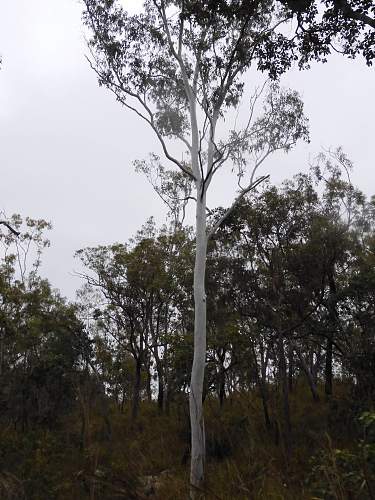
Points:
(93, 395)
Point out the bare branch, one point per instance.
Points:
(11, 229)
(237, 200)
(121, 89)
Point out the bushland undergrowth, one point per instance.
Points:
(332, 454)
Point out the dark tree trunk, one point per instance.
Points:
(2, 335)
(328, 368)
(262, 383)
(332, 302)
(222, 388)
(221, 381)
(104, 410)
(160, 393)
(123, 399)
(148, 381)
(283, 380)
(137, 389)
(82, 440)
(161, 380)
(290, 367)
(264, 395)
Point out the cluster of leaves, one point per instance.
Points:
(346, 473)
(346, 26)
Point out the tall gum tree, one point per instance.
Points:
(179, 66)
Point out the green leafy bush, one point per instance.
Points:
(342, 474)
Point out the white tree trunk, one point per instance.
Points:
(199, 360)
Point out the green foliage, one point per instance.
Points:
(349, 23)
(98, 409)
(341, 473)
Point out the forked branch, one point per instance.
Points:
(237, 200)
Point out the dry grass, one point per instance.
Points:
(150, 459)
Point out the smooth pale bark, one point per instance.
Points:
(198, 444)
(199, 360)
(316, 365)
(160, 372)
(308, 372)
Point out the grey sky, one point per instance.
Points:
(67, 146)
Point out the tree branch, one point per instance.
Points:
(116, 88)
(356, 15)
(11, 229)
(246, 190)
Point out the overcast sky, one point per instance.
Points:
(67, 147)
